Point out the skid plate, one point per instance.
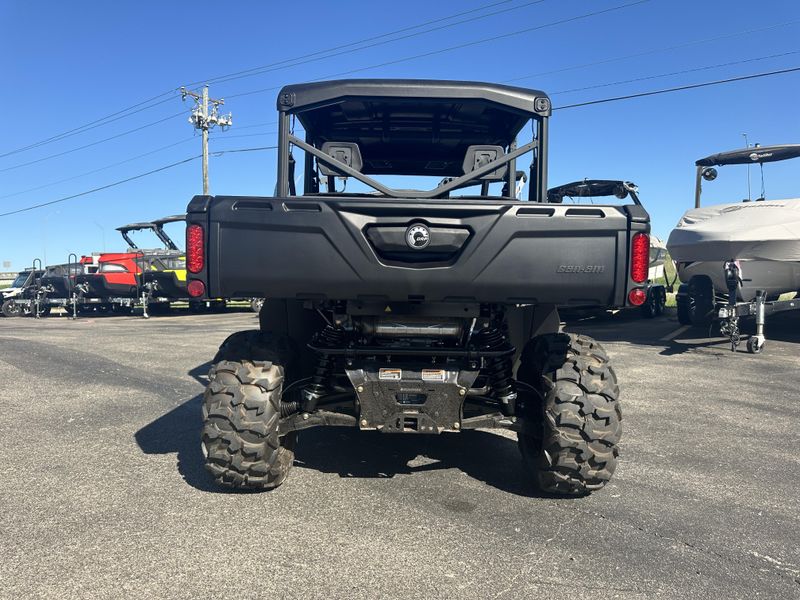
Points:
(411, 399)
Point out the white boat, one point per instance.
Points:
(746, 252)
(762, 237)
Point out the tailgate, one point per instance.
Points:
(476, 250)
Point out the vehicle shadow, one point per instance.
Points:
(178, 432)
(350, 453)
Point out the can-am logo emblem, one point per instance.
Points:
(418, 236)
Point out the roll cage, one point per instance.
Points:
(463, 132)
(156, 226)
(594, 188)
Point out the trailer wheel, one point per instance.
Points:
(241, 413)
(11, 309)
(575, 425)
(696, 302)
(755, 345)
(656, 300)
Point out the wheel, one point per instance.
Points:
(575, 426)
(256, 304)
(651, 308)
(754, 345)
(241, 413)
(696, 302)
(682, 301)
(661, 302)
(10, 308)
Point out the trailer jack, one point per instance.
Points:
(729, 313)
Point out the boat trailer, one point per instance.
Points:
(730, 312)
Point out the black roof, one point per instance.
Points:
(590, 188)
(761, 154)
(302, 96)
(412, 126)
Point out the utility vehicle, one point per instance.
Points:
(13, 298)
(415, 309)
(119, 278)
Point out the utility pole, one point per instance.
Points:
(204, 120)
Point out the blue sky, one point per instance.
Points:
(66, 64)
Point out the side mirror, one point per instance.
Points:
(710, 174)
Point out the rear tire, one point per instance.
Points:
(241, 413)
(576, 424)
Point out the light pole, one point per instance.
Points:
(102, 234)
(747, 145)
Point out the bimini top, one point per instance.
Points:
(745, 156)
(592, 188)
(412, 126)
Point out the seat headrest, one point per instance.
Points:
(345, 152)
(477, 156)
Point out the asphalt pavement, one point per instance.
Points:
(103, 493)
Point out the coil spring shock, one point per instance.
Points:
(318, 387)
(499, 369)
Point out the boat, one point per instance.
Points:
(743, 252)
(762, 236)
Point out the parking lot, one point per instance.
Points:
(104, 494)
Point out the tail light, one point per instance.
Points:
(195, 288)
(637, 296)
(640, 257)
(195, 249)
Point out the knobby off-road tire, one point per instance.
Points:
(577, 421)
(241, 411)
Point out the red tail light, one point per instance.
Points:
(195, 249)
(196, 288)
(637, 296)
(640, 257)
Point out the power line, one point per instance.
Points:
(568, 106)
(653, 51)
(92, 172)
(108, 139)
(464, 45)
(683, 72)
(120, 114)
(297, 62)
(103, 187)
(138, 107)
(128, 179)
(679, 88)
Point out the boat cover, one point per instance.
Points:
(766, 230)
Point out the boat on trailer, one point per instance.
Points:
(737, 259)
